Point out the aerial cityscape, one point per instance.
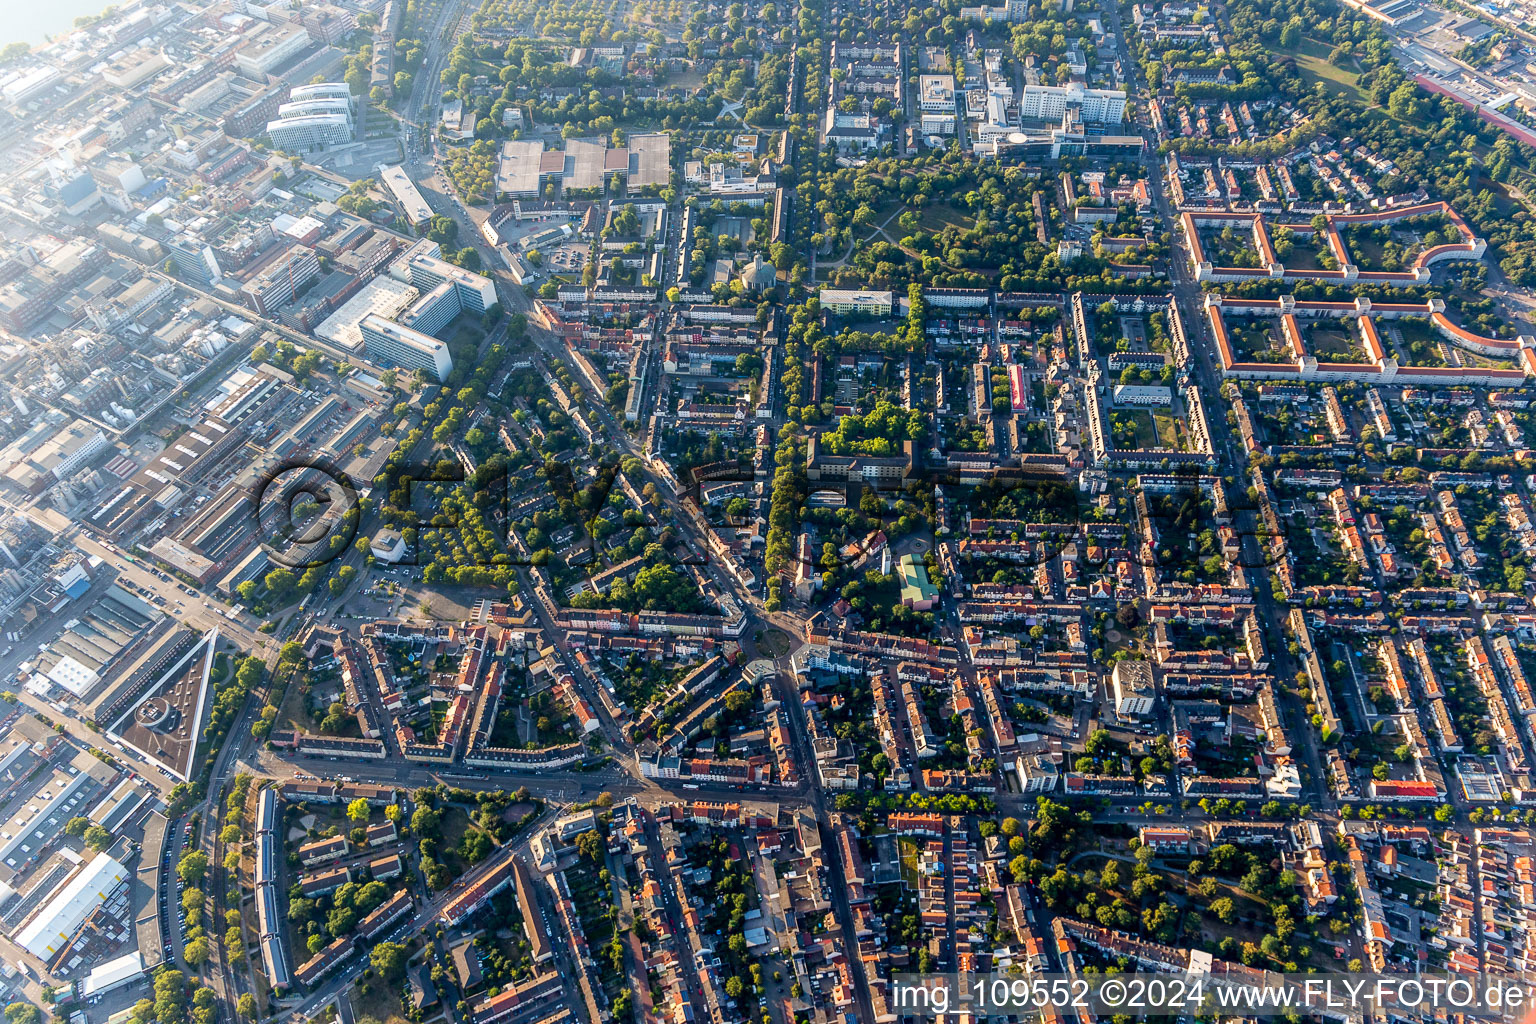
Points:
(678, 511)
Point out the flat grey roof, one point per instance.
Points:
(650, 159)
(517, 173)
(585, 160)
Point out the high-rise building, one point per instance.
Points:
(194, 259)
(270, 49)
(307, 108)
(405, 348)
(316, 117)
(321, 91)
(476, 293)
(282, 279)
(1050, 102)
(310, 133)
(433, 311)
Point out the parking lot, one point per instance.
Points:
(569, 258)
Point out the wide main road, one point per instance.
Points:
(1208, 378)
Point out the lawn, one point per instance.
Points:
(1421, 345)
(1229, 248)
(467, 333)
(1333, 344)
(1303, 256)
(1253, 340)
(293, 714)
(908, 849)
(455, 822)
(1366, 252)
(938, 216)
(1146, 428)
(775, 643)
(739, 228)
(1470, 358)
(505, 733)
(378, 1001)
(1312, 61)
(594, 902)
(1169, 435)
(1414, 329)
(1033, 438)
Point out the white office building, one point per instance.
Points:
(321, 91)
(113, 975)
(271, 48)
(412, 204)
(1143, 395)
(311, 133)
(476, 292)
(936, 94)
(1134, 692)
(307, 108)
(315, 118)
(24, 88)
(1050, 102)
(404, 348)
(844, 301)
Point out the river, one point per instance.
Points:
(31, 22)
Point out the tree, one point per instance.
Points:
(1224, 909)
(279, 582)
(23, 1013)
(357, 810)
(170, 1002)
(98, 838)
(388, 958)
(1403, 104)
(590, 845)
(443, 230)
(196, 951)
(425, 821)
(193, 866)
(1010, 827)
(246, 1006)
(341, 920)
